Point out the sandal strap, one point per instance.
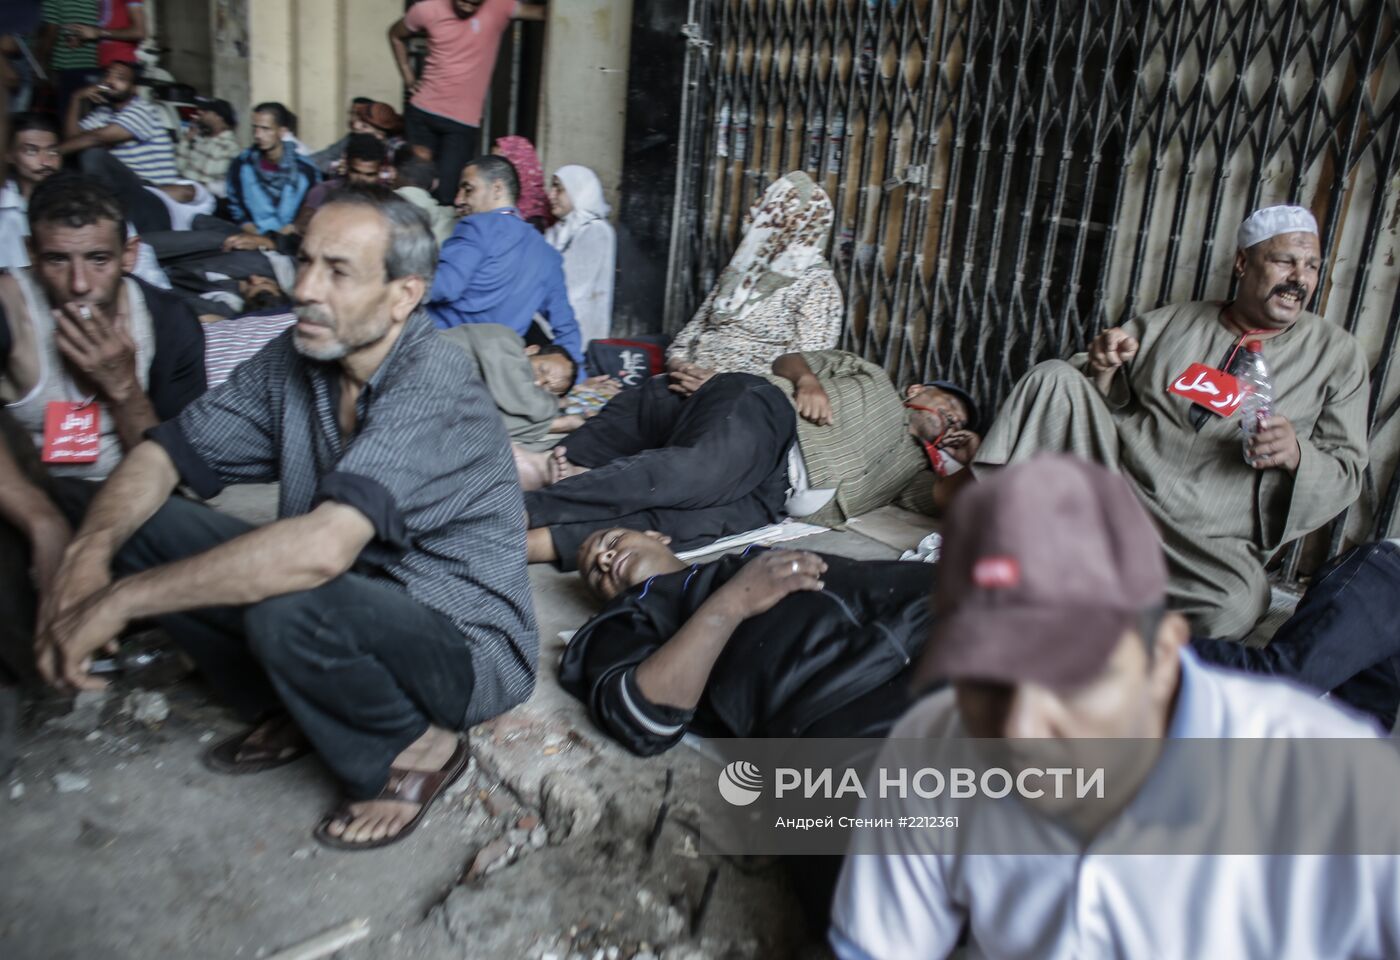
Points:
(421, 786)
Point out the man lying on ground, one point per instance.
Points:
(695, 467)
(862, 445)
(770, 643)
(89, 360)
(700, 465)
(526, 383)
(1049, 624)
(388, 608)
(1142, 402)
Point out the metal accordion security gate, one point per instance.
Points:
(1012, 176)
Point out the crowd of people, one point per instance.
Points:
(398, 335)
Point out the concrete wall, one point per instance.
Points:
(314, 55)
(584, 103)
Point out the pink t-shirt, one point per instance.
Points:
(461, 56)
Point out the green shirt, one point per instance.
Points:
(59, 12)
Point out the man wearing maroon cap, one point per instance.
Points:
(1049, 625)
(1157, 398)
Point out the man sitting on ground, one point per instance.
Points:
(1141, 401)
(525, 382)
(415, 179)
(750, 645)
(119, 138)
(696, 467)
(496, 268)
(364, 156)
(33, 158)
(267, 183)
(89, 360)
(1049, 623)
(326, 158)
(209, 145)
(390, 461)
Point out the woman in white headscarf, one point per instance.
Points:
(589, 247)
(777, 295)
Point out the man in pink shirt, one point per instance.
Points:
(444, 111)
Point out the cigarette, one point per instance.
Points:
(84, 311)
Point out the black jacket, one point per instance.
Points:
(783, 671)
(176, 375)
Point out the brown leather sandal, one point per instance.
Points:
(406, 786)
(285, 743)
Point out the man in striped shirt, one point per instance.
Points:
(121, 140)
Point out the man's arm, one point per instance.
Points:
(676, 674)
(807, 392)
(30, 510)
(299, 553)
(398, 44)
(457, 263)
(531, 11)
(77, 139)
(134, 33)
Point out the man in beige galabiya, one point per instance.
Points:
(1156, 399)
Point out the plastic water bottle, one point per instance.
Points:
(1258, 403)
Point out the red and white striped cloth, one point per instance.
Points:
(228, 343)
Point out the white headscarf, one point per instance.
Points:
(586, 195)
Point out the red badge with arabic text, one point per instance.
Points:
(1210, 389)
(72, 432)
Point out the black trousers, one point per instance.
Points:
(696, 468)
(1343, 638)
(361, 666)
(452, 143)
(143, 208)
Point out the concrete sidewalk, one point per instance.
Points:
(118, 842)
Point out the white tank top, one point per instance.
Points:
(55, 384)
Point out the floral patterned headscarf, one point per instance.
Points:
(532, 202)
(790, 224)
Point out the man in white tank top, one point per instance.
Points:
(90, 358)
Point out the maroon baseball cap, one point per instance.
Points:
(1045, 564)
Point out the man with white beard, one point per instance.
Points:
(387, 609)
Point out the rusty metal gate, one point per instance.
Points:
(1011, 176)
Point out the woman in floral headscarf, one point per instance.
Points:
(532, 202)
(777, 295)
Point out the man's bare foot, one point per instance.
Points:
(562, 467)
(536, 470)
(377, 819)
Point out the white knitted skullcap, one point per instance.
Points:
(1272, 221)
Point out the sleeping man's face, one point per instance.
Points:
(613, 560)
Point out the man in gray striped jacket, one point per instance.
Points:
(388, 608)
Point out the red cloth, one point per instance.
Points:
(116, 15)
(532, 202)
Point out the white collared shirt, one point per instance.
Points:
(899, 905)
(14, 227)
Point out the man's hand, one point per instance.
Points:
(64, 650)
(1275, 445)
(766, 579)
(82, 33)
(248, 241)
(92, 93)
(813, 405)
(1110, 350)
(603, 385)
(99, 348)
(80, 574)
(961, 445)
(686, 378)
(412, 84)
